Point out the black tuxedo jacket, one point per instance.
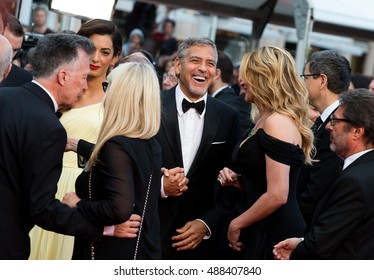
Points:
(315, 180)
(221, 133)
(342, 225)
(32, 143)
(16, 77)
(228, 96)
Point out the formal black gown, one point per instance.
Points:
(119, 183)
(287, 221)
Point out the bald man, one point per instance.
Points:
(5, 57)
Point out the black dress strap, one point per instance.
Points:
(281, 151)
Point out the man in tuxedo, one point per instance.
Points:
(327, 75)
(5, 57)
(200, 138)
(33, 142)
(11, 28)
(221, 90)
(342, 223)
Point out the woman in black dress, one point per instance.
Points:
(270, 155)
(123, 175)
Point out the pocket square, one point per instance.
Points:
(217, 143)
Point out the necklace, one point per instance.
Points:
(255, 128)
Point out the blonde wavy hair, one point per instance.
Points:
(132, 105)
(271, 75)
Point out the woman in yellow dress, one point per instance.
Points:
(83, 122)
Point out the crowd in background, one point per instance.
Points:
(146, 147)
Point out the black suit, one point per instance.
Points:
(315, 180)
(221, 133)
(16, 77)
(228, 96)
(31, 149)
(342, 224)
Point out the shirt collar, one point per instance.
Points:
(353, 157)
(328, 111)
(49, 94)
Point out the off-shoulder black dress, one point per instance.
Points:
(285, 222)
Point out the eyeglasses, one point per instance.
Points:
(333, 120)
(171, 78)
(304, 76)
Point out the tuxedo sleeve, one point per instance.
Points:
(116, 170)
(41, 172)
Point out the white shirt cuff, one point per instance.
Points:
(209, 233)
(162, 192)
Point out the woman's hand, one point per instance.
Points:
(128, 229)
(233, 235)
(227, 177)
(71, 199)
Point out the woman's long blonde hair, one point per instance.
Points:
(132, 105)
(271, 75)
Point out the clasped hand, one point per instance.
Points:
(174, 181)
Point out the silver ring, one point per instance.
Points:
(220, 180)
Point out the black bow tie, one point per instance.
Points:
(198, 106)
(58, 114)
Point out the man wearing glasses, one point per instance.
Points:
(326, 74)
(343, 222)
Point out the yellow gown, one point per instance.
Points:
(83, 123)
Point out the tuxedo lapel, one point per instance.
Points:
(39, 92)
(211, 125)
(170, 126)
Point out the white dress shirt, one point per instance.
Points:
(353, 157)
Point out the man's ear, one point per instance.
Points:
(7, 70)
(218, 73)
(358, 133)
(324, 80)
(61, 77)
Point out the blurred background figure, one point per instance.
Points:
(13, 31)
(169, 79)
(135, 41)
(234, 83)
(82, 121)
(168, 45)
(39, 24)
(313, 114)
(371, 85)
(359, 81)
